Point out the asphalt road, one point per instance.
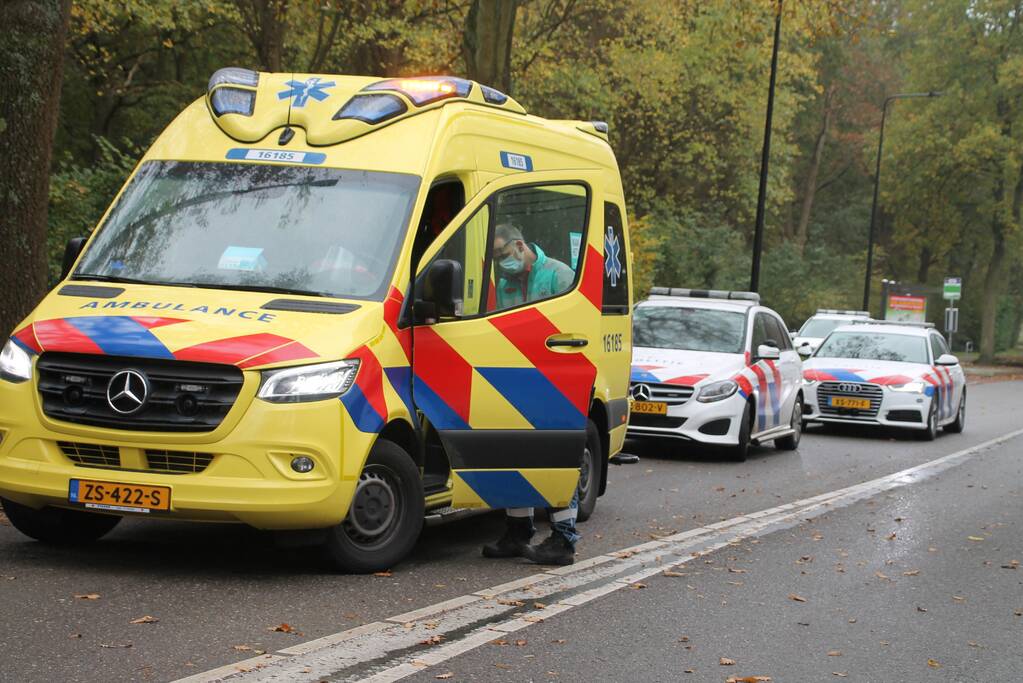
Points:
(218, 591)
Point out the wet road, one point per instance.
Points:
(218, 590)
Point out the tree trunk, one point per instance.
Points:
(992, 288)
(810, 187)
(265, 23)
(487, 42)
(31, 67)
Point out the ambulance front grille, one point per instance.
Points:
(182, 396)
(177, 461)
(96, 455)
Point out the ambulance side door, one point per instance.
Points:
(504, 367)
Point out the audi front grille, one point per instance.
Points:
(872, 392)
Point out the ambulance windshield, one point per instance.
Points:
(262, 227)
(688, 329)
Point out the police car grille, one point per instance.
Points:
(672, 394)
(872, 392)
(184, 396)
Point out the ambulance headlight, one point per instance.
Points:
(15, 363)
(909, 387)
(308, 382)
(717, 391)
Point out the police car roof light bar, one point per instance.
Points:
(706, 293)
(835, 311)
(895, 323)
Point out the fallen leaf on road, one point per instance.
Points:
(242, 648)
(539, 605)
(684, 639)
(881, 576)
(921, 609)
(958, 598)
(502, 666)
(852, 621)
(442, 677)
(796, 598)
(911, 572)
(282, 628)
(532, 619)
(499, 642)
(733, 570)
(1018, 613)
(145, 620)
(834, 653)
(671, 573)
(520, 643)
(75, 635)
(747, 679)
(430, 625)
(115, 645)
(87, 596)
(637, 586)
(975, 538)
(420, 663)
(839, 674)
(725, 661)
(933, 663)
(432, 640)
(891, 537)
(384, 573)
(559, 641)
(973, 643)
(623, 554)
(512, 603)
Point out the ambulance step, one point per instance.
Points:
(450, 514)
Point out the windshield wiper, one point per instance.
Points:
(261, 288)
(127, 280)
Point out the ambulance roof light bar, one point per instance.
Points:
(706, 294)
(835, 311)
(895, 323)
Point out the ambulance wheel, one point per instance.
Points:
(791, 442)
(589, 473)
(930, 433)
(57, 525)
(960, 421)
(739, 452)
(385, 517)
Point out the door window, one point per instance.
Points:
(938, 347)
(538, 243)
(616, 263)
(467, 247)
(776, 332)
(760, 333)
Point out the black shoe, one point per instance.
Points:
(512, 544)
(554, 550)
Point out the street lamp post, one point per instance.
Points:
(877, 183)
(758, 230)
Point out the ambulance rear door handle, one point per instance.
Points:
(574, 342)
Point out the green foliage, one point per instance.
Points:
(79, 196)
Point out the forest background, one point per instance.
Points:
(682, 83)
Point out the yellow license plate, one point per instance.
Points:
(650, 407)
(106, 495)
(844, 402)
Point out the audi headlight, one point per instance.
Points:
(717, 391)
(809, 382)
(15, 363)
(308, 382)
(909, 387)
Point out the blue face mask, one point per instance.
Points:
(512, 265)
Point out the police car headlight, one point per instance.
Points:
(809, 382)
(717, 391)
(15, 363)
(308, 382)
(909, 387)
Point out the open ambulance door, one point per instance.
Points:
(503, 366)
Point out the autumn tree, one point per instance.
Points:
(31, 67)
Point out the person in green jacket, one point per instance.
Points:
(528, 274)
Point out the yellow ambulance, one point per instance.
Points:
(331, 303)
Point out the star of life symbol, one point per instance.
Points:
(303, 90)
(612, 257)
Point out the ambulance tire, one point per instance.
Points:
(959, 424)
(57, 525)
(930, 432)
(592, 459)
(740, 451)
(386, 514)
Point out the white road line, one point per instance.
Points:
(397, 647)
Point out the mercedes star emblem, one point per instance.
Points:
(127, 392)
(641, 392)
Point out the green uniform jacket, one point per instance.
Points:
(548, 277)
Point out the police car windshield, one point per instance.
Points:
(262, 227)
(874, 346)
(818, 328)
(688, 329)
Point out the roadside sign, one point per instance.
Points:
(905, 308)
(953, 288)
(951, 320)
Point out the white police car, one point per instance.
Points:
(886, 373)
(820, 324)
(716, 368)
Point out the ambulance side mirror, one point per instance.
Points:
(439, 292)
(71, 252)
